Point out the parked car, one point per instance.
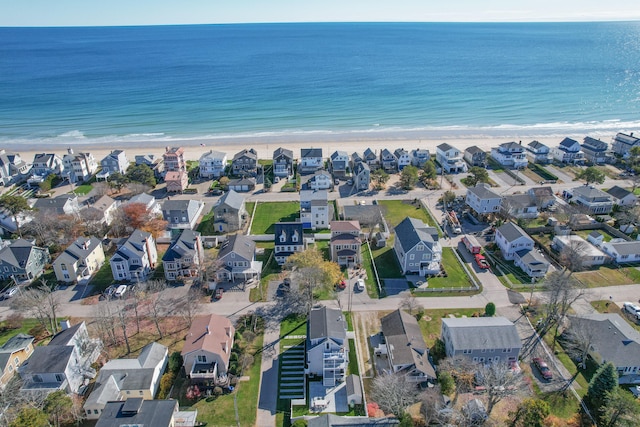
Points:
(360, 286)
(632, 309)
(119, 293)
(543, 368)
(218, 294)
(10, 292)
(109, 291)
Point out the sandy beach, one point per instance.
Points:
(266, 146)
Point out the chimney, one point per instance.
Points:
(228, 331)
(70, 150)
(631, 134)
(65, 324)
(207, 328)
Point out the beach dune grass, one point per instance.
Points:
(267, 214)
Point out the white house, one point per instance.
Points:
(327, 348)
(311, 160)
(321, 180)
(595, 200)
(47, 163)
(589, 254)
(510, 238)
(339, 162)
(404, 158)
(623, 143)
(417, 247)
(135, 258)
(622, 196)
(483, 200)
(212, 164)
(569, 151)
(419, 157)
(450, 159)
(538, 152)
(622, 251)
(315, 212)
(79, 167)
(510, 154)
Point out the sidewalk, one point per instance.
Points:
(268, 400)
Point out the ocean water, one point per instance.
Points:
(207, 82)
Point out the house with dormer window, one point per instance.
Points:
(417, 247)
(404, 158)
(80, 261)
(183, 259)
(135, 258)
(345, 243)
(23, 261)
(237, 260)
(288, 239)
(245, 163)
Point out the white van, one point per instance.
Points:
(632, 308)
(360, 286)
(119, 293)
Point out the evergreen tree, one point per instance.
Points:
(604, 381)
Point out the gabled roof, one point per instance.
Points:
(618, 192)
(16, 343)
(138, 412)
(568, 143)
(511, 146)
(369, 154)
(144, 198)
(18, 252)
(536, 145)
(288, 230)
(185, 244)
(339, 153)
(239, 244)
(362, 166)
(79, 250)
(626, 247)
(531, 258)
(512, 232)
(483, 191)
(353, 385)
(386, 153)
(612, 338)
(518, 201)
(403, 335)
(399, 152)
(476, 333)
(283, 152)
(344, 226)
(331, 420)
(542, 192)
(474, 149)
(231, 199)
(310, 152)
(135, 244)
(250, 153)
(210, 333)
(212, 154)
(412, 231)
(589, 192)
(179, 205)
(445, 147)
(65, 336)
(48, 359)
(594, 144)
(57, 203)
(626, 139)
(326, 322)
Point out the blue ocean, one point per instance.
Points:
(428, 80)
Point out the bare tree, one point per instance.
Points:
(499, 381)
(137, 188)
(101, 188)
(463, 370)
(394, 392)
(432, 406)
(562, 291)
(411, 304)
(105, 318)
(572, 256)
(41, 303)
(158, 302)
(189, 305)
(121, 314)
(136, 299)
(577, 340)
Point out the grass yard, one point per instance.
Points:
(372, 285)
(431, 322)
(386, 261)
(606, 306)
(103, 277)
(25, 326)
(608, 276)
(395, 211)
(206, 226)
(83, 190)
(541, 172)
(585, 233)
(267, 214)
(270, 271)
(353, 359)
(456, 276)
(509, 275)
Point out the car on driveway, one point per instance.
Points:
(218, 294)
(543, 368)
(10, 292)
(360, 286)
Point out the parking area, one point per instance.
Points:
(394, 287)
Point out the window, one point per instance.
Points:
(59, 378)
(202, 358)
(95, 411)
(466, 351)
(412, 256)
(16, 361)
(36, 378)
(141, 392)
(10, 368)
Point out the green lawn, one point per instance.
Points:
(515, 277)
(103, 277)
(431, 322)
(270, 271)
(206, 226)
(585, 233)
(267, 214)
(607, 275)
(353, 359)
(456, 276)
(386, 261)
(83, 190)
(395, 211)
(25, 327)
(372, 285)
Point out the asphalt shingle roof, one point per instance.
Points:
(511, 231)
(477, 333)
(412, 231)
(327, 322)
(483, 191)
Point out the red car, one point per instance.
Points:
(543, 368)
(218, 294)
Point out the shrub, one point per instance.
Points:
(166, 382)
(490, 309)
(175, 362)
(300, 423)
(217, 390)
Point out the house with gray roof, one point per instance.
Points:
(23, 261)
(622, 196)
(326, 346)
(311, 160)
(519, 206)
(245, 163)
(510, 154)
(237, 260)
(150, 202)
(482, 339)
(67, 204)
(532, 263)
(404, 347)
(139, 412)
(594, 200)
(361, 176)
(79, 261)
(388, 160)
(101, 211)
(212, 164)
(12, 354)
(116, 161)
(510, 238)
(242, 185)
(122, 379)
(595, 151)
(419, 157)
(230, 213)
(79, 167)
(589, 254)
(183, 259)
(288, 239)
(354, 390)
(371, 158)
(282, 163)
(156, 164)
(475, 156)
(543, 197)
(339, 161)
(315, 210)
(181, 213)
(568, 151)
(450, 159)
(355, 159)
(623, 143)
(417, 247)
(136, 258)
(345, 243)
(612, 340)
(483, 200)
(64, 363)
(331, 420)
(12, 167)
(539, 153)
(622, 251)
(45, 164)
(320, 180)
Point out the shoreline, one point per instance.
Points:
(266, 145)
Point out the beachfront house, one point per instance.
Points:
(404, 347)
(12, 167)
(475, 156)
(237, 260)
(310, 160)
(230, 213)
(79, 167)
(136, 258)
(417, 247)
(622, 197)
(355, 159)
(622, 251)
(321, 180)
(326, 346)
(22, 261)
(483, 200)
(481, 339)
(156, 164)
(116, 161)
(174, 159)
(419, 157)
(345, 243)
(212, 164)
(595, 151)
(282, 163)
(79, 261)
(404, 158)
(45, 164)
(450, 159)
(589, 254)
(511, 155)
(315, 211)
(389, 161)
(245, 163)
(339, 163)
(361, 176)
(537, 152)
(623, 143)
(288, 239)
(594, 200)
(176, 181)
(569, 151)
(183, 259)
(181, 213)
(371, 158)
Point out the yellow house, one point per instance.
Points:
(12, 354)
(80, 261)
